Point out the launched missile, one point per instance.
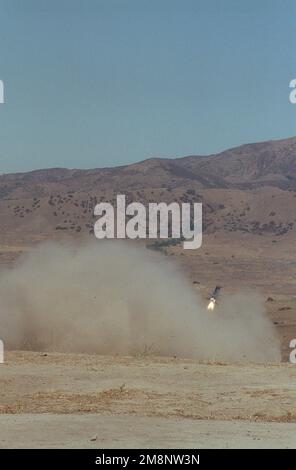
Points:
(213, 298)
(216, 292)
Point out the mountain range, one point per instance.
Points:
(251, 188)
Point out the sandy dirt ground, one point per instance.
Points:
(70, 400)
(93, 431)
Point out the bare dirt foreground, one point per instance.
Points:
(88, 401)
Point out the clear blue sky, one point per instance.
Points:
(94, 83)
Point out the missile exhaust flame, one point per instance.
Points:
(211, 305)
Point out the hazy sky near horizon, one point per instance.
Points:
(92, 83)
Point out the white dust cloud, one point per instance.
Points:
(109, 297)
